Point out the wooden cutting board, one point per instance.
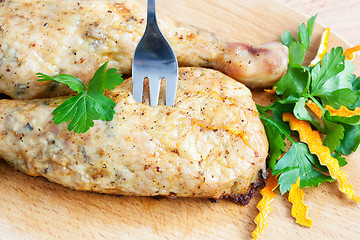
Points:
(33, 208)
(341, 16)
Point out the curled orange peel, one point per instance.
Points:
(343, 111)
(313, 140)
(271, 91)
(263, 205)
(349, 53)
(323, 47)
(314, 108)
(299, 210)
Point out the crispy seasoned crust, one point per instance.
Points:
(245, 198)
(242, 199)
(210, 145)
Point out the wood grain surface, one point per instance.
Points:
(33, 208)
(341, 16)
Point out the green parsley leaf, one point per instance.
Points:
(355, 83)
(355, 86)
(104, 79)
(297, 162)
(296, 54)
(287, 38)
(277, 109)
(302, 113)
(341, 80)
(351, 139)
(342, 161)
(305, 32)
(341, 97)
(293, 83)
(276, 141)
(337, 91)
(335, 132)
(331, 64)
(90, 104)
(73, 82)
(339, 119)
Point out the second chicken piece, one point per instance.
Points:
(76, 37)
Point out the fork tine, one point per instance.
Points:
(154, 87)
(154, 56)
(171, 86)
(138, 86)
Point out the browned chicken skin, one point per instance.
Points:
(211, 144)
(77, 37)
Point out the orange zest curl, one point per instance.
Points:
(314, 108)
(271, 91)
(299, 210)
(323, 47)
(313, 140)
(349, 53)
(263, 205)
(343, 111)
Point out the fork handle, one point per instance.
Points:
(151, 12)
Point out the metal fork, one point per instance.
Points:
(154, 59)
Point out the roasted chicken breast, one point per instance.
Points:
(211, 144)
(76, 37)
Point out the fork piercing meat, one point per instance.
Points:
(211, 144)
(75, 38)
(154, 59)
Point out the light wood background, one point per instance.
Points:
(33, 208)
(341, 16)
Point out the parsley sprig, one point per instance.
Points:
(89, 104)
(330, 82)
